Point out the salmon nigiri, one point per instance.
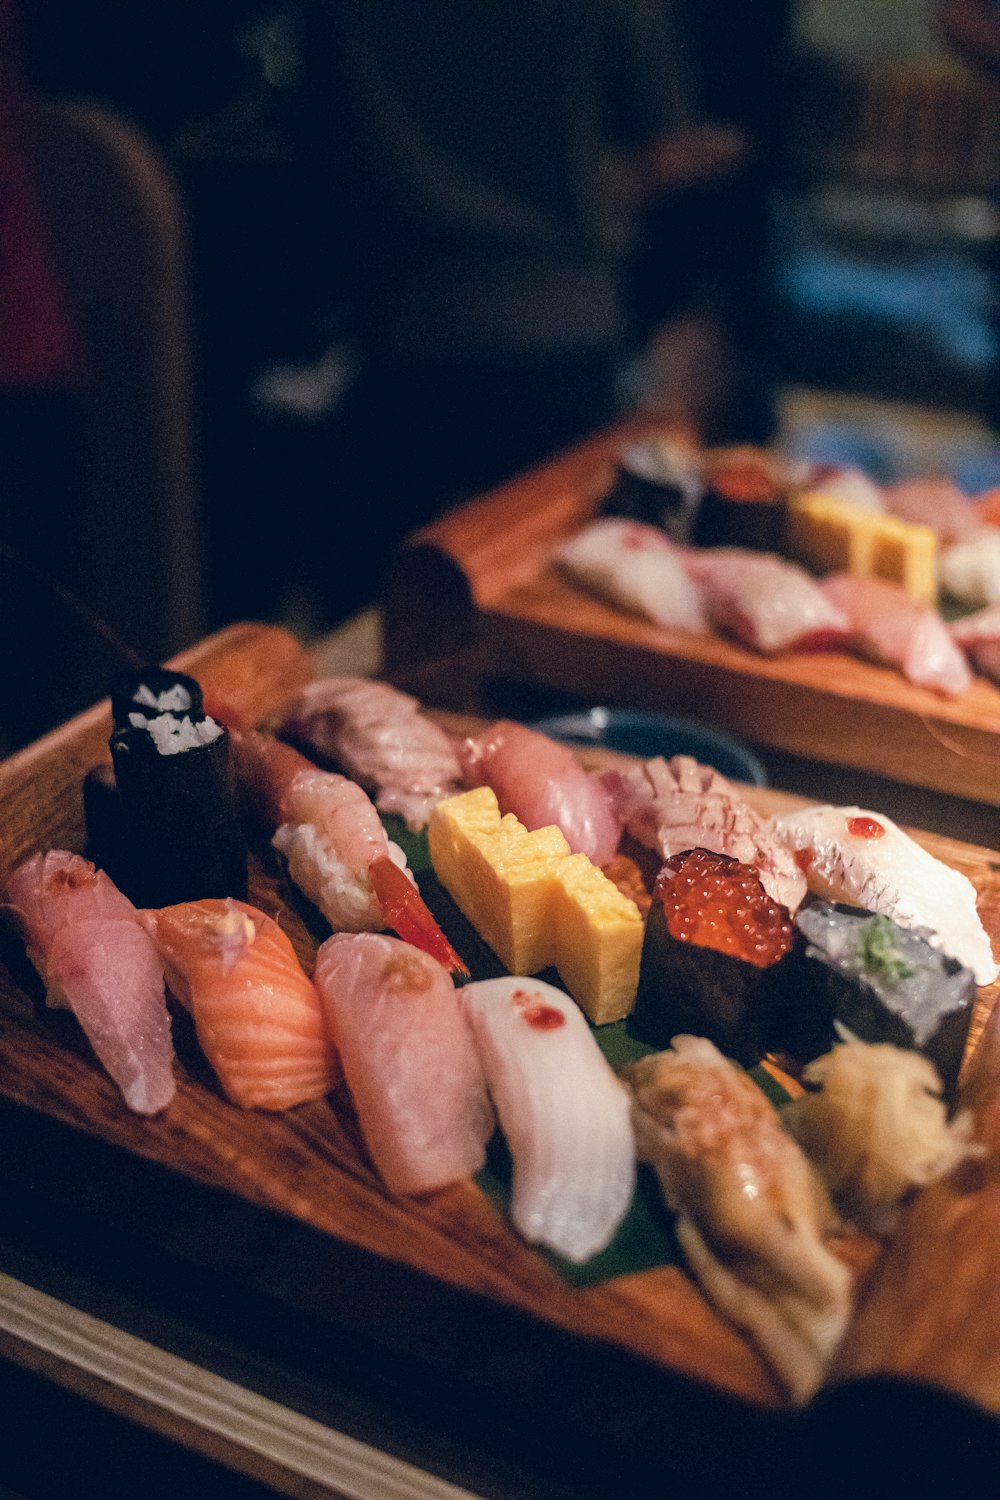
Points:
(86, 941)
(256, 1013)
(338, 852)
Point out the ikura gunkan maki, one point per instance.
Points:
(180, 833)
(880, 981)
(713, 956)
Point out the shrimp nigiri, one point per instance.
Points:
(86, 941)
(257, 1015)
(338, 852)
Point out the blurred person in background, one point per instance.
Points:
(484, 166)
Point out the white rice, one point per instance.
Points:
(171, 734)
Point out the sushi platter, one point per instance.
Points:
(287, 1214)
(488, 568)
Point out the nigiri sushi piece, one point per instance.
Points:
(674, 805)
(765, 602)
(635, 567)
(256, 1014)
(849, 484)
(753, 1215)
(969, 570)
(863, 858)
(338, 852)
(377, 736)
(889, 627)
(978, 635)
(562, 1110)
(408, 1058)
(876, 1127)
(936, 502)
(86, 941)
(543, 784)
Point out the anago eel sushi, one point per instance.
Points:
(338, 852)
(256, 1013)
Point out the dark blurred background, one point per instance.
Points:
(823, 289)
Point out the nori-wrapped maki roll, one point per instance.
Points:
(182, 837)
(657, 483)
(882, 982)
(713, 956)
(745, 503)
(155, 690)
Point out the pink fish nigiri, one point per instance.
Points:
(978, 635)
(86, 941)
(257, 1015)
(542, 783)
(636, 567)
(408, 1058)
(891, 628)
(564, 1114)
(764, 601)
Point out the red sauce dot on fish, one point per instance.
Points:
(543, 1017)
(866, 828)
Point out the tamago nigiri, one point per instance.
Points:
(256, 1013)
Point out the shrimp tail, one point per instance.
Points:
(404, 911)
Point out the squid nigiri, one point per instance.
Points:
(86, 941)
(408, 1058)
(256, 1013)
(865, 859)
(563, 1111)
(543, 784)
(338, 852)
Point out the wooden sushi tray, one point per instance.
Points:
(264, 1248)
(481, 576)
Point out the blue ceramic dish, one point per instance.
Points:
(634, 732)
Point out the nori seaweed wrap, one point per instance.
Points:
(713, 957)
(181, 832)
(884, 983)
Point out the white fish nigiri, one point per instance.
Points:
(636, 567)
(563, 1111)
(408, 1058)
(764, 601)
(85, 939)
(865, 859)
(889, 627)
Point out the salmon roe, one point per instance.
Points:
(713, 901)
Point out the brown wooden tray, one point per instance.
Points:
(442, 1283)
(483, 571)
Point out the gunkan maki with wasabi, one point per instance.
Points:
(882, 982)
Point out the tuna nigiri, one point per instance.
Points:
(257, 1015)
(765, 602)
(565, 1115)
(636, 567)
(338, 852)
(377, 735)
(85, 939)
(864, 859)
(889, 627)
(543, 784)
(408, 1058)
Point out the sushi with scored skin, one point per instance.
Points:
(408, 1058)
(753, 1216)
(543, 784)
(562, 1110)
(863, 859)
(256, 1013)
(377, 736)
(86, 941)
